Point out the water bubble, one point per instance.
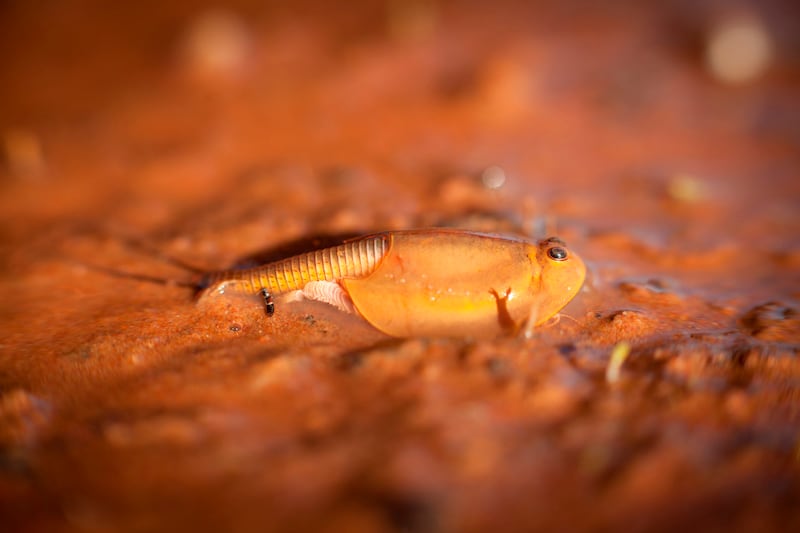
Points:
(493, 177)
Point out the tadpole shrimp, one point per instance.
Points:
(423, 282)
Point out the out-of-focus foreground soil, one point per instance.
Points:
(137, 130)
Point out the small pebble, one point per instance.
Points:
(216, 44)
(739, 49)
(618, 356)
(493, 177)
(23, 152)
(685, 188)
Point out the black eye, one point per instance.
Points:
(558, 253)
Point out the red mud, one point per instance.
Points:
(213, 136)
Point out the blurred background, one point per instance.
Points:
(660, 139)
(388, 113)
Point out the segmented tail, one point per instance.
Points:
(353, 259)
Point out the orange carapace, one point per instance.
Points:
(431, 282)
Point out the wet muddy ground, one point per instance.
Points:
(661, 142)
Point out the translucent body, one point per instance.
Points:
(434, 282)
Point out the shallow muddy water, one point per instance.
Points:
(139, 137)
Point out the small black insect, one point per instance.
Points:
(269, 303)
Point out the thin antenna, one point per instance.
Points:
(143, 277)
(160, 255)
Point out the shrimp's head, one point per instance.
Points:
(558, 276)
